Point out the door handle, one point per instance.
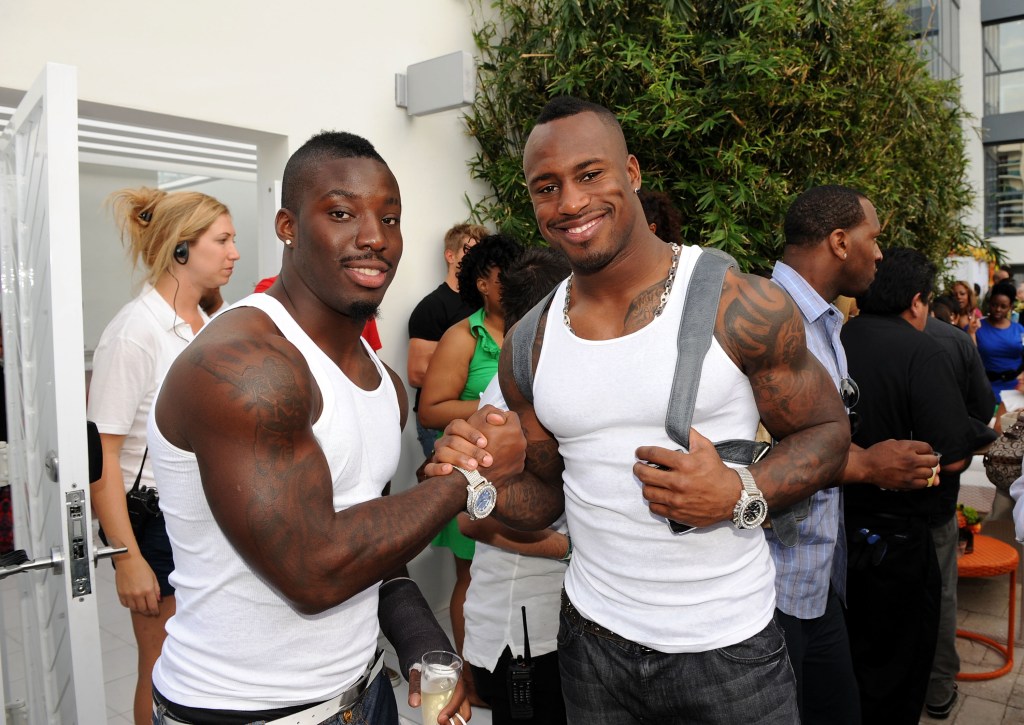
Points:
(107, 552)
(17, 561)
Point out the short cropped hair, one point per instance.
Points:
(528, 279)
(453, 238)
(945, 307)
(494, 250)
(566, 106)
(902, 273)
(324, 146)
(821, 210)
(660, 212)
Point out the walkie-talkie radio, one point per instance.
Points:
(520, 680)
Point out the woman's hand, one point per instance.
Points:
(973, 323)
(137, 585)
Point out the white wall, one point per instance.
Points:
(973, 101)
(108, 280)
(285, 69)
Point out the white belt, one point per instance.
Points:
(321, 711)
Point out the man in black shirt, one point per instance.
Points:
(435, 313)
(907, 391)
(976, 392)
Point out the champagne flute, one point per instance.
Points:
(438, 678)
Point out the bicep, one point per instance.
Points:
(420, 352)
(763, 331)
(247, 412)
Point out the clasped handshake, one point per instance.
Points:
(695, 487)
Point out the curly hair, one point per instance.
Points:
(1006, 289)
(494, 250)
(972, 296)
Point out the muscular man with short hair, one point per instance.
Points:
(655, 626)
(274, 436)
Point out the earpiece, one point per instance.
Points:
(181, 252)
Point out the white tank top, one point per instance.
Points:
(234, 642)
(603, 399)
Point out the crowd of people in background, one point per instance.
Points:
(635, 562)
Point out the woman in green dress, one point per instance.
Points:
(463, 364)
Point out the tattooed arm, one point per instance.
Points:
(244, 401)
(761, 330)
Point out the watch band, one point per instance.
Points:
(473, 478)
(747, 479)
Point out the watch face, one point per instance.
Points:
(486, 497)
(753, 513)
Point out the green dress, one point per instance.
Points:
(483, 366)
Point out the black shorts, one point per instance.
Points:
(156, 550)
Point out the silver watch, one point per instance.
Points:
(482, 494)
(751, 510)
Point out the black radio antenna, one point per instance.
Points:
(526, 639)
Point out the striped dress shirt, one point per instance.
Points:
(803, 572)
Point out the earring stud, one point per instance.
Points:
(287, 242)
(845, 255)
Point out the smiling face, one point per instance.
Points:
(211, 259)
(581, 181)
(346, 239)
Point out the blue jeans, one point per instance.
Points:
(377, 706)
(426, 437)
(606, 681)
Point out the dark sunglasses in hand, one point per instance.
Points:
(850, 394)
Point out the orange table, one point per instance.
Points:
(991, 557)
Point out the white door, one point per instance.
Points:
(40, 276)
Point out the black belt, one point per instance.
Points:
(1003, 377)
(578, 620)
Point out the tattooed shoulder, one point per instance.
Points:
(758, 324)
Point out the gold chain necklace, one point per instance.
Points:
(664, 295)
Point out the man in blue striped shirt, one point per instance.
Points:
(831, 249)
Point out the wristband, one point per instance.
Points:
(567, 557)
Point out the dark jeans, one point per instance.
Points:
(548, 706)
(606, 681)
(892, 617)
(426, 437)
(377, 706)
(820, 653)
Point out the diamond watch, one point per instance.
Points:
(751, 510)
(482, 494)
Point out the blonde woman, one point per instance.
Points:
(185, 242)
